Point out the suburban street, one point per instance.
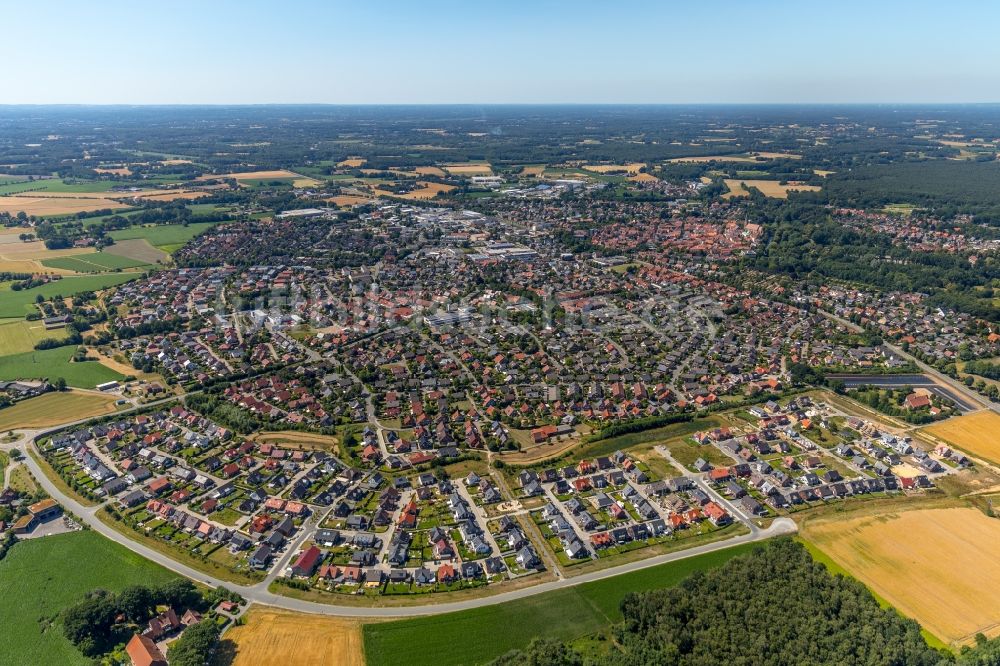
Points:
(261, 595)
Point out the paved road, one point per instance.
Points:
(259, 593)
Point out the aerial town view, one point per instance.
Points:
(535, 353)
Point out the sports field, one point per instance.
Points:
(41, 577)
(480, 635)
(273, 637)
(19, 303)
(938, 566)
(973, 433)
(52, 409)
(53, 363)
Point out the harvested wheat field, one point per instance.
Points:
(117, 171)
(938, 566)
(427, 190)
(57, 205)
(643, 178)
(770, 188)
(281, 638)
(535, 170)
(973, 433)
(54, 408)
(27, 257)
(298, 180)
(352, 162)
(430, 171)
(714, 158)
(469, 169)
(777, 156)
(349, 200)
(171, 195)
(632, 168)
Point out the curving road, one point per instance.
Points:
(259, 593)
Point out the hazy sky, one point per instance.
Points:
(506, 51)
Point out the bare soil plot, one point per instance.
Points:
(272, 637)
(938, 566)
(974, 433)
(298, 440)
(770, 188)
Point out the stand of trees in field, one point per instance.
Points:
(772, 607)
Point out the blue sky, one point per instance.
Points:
(511, 51)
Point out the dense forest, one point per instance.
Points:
(772, 607)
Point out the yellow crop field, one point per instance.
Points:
(55, 408)
(469, 169)
(18, 257)
(938, 566)
(778, 156)
(57, 205)
(643, 178)
(348, 200)
(974, 433)
(273, 637)
(172, 195)
(427, 190)
(770, 188)
(632, 168)
(117, 171)
(352, 162)
(533, 170)
(430, 171)
(298, 180)
(714, 158)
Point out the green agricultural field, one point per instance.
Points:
(19, 303)
(57, 185)
(19, 335)
(95, 262)
(41, 577)
(163, 234)
(53, 363)
(480, 635)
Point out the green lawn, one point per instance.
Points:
(480, 635)
(40, 577)
(53, 363)
(163, 234)
(95, 262)
(19, 303)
